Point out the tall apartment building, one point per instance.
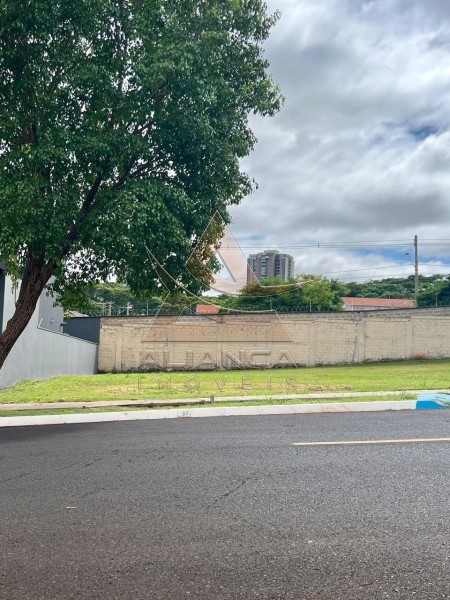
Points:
(271, 263)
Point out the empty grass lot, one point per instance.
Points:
(407, 375)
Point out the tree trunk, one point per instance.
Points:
(34, 280)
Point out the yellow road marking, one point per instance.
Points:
(407, 441)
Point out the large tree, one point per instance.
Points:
(121, 126)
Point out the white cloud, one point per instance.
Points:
(361, 150)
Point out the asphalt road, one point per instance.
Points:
(227, 509)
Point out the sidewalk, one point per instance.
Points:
(210, 400)
(428, 400)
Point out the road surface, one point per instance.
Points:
(227, 509)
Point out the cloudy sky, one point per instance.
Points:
(360, 155)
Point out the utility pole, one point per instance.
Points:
(416, 268)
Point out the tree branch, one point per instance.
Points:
(85, 209)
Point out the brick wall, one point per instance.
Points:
(255, 341)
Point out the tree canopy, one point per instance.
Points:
(118, 299)
(317, 293)
(393, 287)
(122, 123)
(437, 293)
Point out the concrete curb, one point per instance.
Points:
(426, 401)
(224, 411)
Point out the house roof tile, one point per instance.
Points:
(207, 309)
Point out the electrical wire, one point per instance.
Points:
(154, 261)
(351, 245)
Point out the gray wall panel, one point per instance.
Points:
(2, 297)
(51, 317)
(40, 354)
(85, 328)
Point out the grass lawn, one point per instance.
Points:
(406, 375)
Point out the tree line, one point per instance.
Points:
(304, 293)
(434, 290)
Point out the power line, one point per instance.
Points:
(367, 269)
(398, 276)
(330, 245)
(351, 245)
(394, 277)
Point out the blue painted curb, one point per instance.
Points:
(433, 401)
